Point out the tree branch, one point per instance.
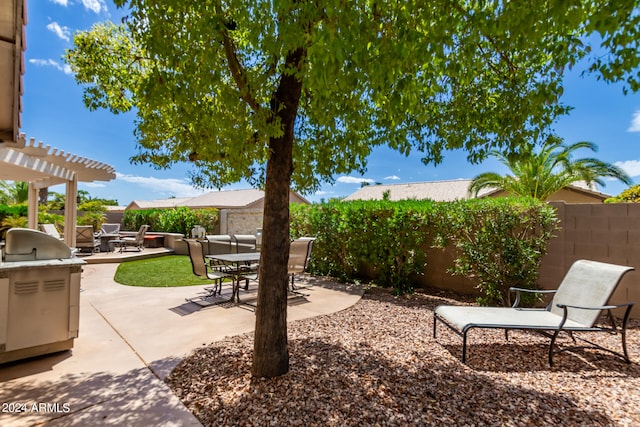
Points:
(237, 72)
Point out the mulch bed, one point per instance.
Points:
(378, 364)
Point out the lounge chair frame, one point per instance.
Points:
(559, 316)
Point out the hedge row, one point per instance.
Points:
(498, 242)
(13, 210)
(176, 220)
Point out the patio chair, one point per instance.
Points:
(136, 241)
(299, 256)
(202, 269)
(219, 244)
(51, 230)
(244, 242)
(86, 239)
(110, 229)
(575, 307)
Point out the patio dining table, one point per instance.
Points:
(241, 263)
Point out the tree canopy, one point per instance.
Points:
(541, 173)
(202, 74)
(630, 195)
(289, 93)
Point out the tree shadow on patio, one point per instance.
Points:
(136, 397)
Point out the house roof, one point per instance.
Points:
(440, 191)
(226, 199)
(579, 187)
(444, 191)
(157, 204)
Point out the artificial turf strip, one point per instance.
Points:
(162, 272)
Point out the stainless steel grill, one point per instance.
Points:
(39, 295)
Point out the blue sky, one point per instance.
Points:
(53, 112)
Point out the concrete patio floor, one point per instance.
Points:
(130, 340)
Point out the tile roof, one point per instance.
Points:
(441, 191)
(158, 203)
(226, 199)
(445, 191)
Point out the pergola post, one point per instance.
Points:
(32, 208)
(70, 211)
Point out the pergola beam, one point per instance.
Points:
(43, 167)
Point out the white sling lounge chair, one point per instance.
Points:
(575, 307)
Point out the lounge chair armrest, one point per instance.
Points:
(602, 307)
(565, 308)
(536, 291)
(532, 291)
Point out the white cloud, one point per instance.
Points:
(61, 32)
(392, 177)
(631, 167)
(94, 184)
(166, 186)
(94, 5)
(353, 180)
(635, 122)
(65, 68)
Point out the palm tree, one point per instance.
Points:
(540, 174)
(13, 192)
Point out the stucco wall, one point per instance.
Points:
(240, 221)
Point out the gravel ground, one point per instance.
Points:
(377, 364)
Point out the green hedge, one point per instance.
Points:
(175, 220)
(13, 210)
(498, 242)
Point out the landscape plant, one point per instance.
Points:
(288, 93)
(497, 243)
(381, 239)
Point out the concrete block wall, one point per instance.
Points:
(600, 232)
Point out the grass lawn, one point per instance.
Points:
(166, 271)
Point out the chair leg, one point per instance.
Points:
(623, 333)
(435, 317)
(553, 341)
(464, 347)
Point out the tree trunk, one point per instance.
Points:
(43, 195)
(271, 349)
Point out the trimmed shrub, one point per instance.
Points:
(175, 220)
(498, 242)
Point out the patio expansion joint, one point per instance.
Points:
(125, 341)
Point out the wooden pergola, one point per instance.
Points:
(20, 160)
